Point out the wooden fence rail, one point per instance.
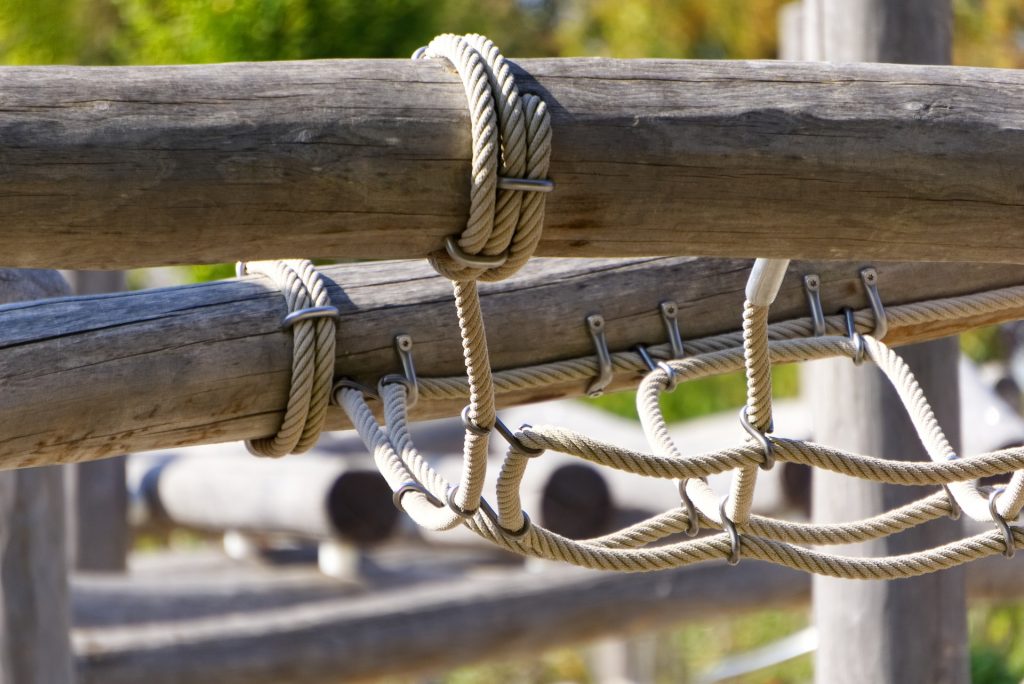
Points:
(136, 166)
(93, 376)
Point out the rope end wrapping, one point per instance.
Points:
(312, 320)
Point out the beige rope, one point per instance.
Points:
(313, 342)
(512, 136)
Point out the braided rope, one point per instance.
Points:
(512, 136)
(313, 343)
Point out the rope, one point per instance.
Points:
(511, 144)
(313, 343)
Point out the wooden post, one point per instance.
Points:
(98, 534)
(35, 620)
(116, 167)
(911, 630)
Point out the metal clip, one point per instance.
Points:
(526, 184)
(761, 438)
(348, 383)
(470, 424)
(493, 517)
(692, 516)
(411, 486)
(451, 245)
(1008, 540)
(595, 323)
(309, 314)
(869, 276)
(673, 378)
(514, 440)
(855, 337)
(669, 316)
(403, 345)
(812, 288)
(734, 537)
(456, 508)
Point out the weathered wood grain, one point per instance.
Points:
(34, 606)
(914, 630)
(133, 166)
(88, 377)
(247, 629)
(97, 505)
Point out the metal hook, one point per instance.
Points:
(1000, 521)
(516, 534)
(767, 446)
(595, 324)
(451, 245)
(513, 439)
(734, 537)
(869, 276)
(412, 486)
(403, 345)
(672, 377)
(471, 425)
(669, 316)
(692, 516)
(457, 509)
(308, 314)
(812, 288)
(855, 337)
(348, 383)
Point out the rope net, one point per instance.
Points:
(511, 148)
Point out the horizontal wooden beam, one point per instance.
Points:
(87, 377)
(420, 628)
(141, 166)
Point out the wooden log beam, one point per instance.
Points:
(141, 166)
(210, 363)
(169, 633)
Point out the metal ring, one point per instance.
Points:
(595, 324)
(308, 314)
(451, 245)
(692, 516)
(526, 184)
(672, 380)
(734, 537)
(767, 446)
(1000, 521)
(513, 439)
(468, 423)
(855, 337)
(812, 288)
(869, 276)
(457, 509)
(493, 517)
(955, 511)
(348, 383)
(412, 486)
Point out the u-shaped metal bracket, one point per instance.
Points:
(595, 324)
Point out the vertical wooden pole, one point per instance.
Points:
(35, 632)
(98, 534)
(909, 630)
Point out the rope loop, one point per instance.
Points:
(312, 321)
(511, 152)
